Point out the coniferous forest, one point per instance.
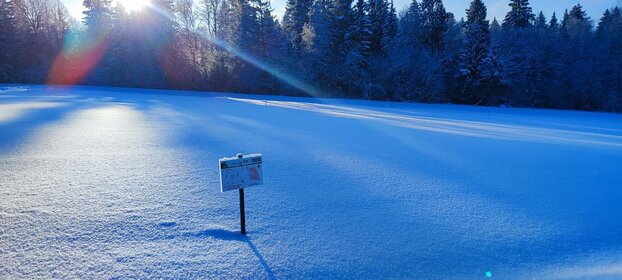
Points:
(365, 49)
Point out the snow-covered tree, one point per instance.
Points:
(520, 16)
(609, 60)
(435, 20)
(474, 56)
(295, 17)
(361, 30)
(270, 46)
(410, 24)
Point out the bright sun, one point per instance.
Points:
(134, 5)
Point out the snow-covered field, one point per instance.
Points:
(119, 183)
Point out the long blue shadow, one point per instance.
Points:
(14, 132)
(229, 235)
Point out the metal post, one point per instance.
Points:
(242, 214)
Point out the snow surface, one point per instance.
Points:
(118, 183)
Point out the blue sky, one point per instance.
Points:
(496, 8)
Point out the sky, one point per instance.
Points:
(496, 8)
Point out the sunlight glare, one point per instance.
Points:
(134, 5)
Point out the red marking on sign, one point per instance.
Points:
(253, 173)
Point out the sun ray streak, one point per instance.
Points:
(245, 56)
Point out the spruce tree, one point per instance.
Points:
(520, 16)
(98, 14)
(578, 23)
(340, 17)
(604, 23)
(315, 35)
(565, 20)
(540, 23)
(495, 26)
(119, 48)
(270, 45)
(410, 24)
(434, 24)
(391, 24)
(362, 27)
(554, 24)
(382, 25)
(608, 75)
(295, 17)
(474, 55)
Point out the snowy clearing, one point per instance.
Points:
(107, 183)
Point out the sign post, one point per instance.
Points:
(242, 214)
(238, 173)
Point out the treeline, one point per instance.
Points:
(328, 48)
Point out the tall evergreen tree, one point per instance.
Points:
(609, 60)
(270, 45)
(98, 14)
(410, 24)
(361, 31)
(554, 23)
(540, 22)
(434, 24)
(520, 16)
(577, 22)
(495, 26)
(474, 57)
(295, 17)
(382, 25)
(118, 57)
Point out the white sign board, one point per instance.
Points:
(240, 172)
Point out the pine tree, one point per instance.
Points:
(98, 14)
(554, 24)
(118, 58)
(270, 45)
(434, 24)
(361, 31)
(340, 16)
(392, 23)
(565, 20)
(410, 24)
(474, 55)
(609, 60)
(382, 26)
(295, 17)
(390, 27)
(578, 65)
(520, 16)
(577, 22)
(604, 23)
(315, 39)
(495, 26)
(540, 23)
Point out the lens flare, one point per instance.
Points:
(80, 54)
